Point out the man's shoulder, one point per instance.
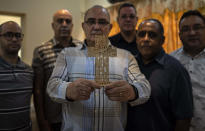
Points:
(70, 50)
(77, 42)
(177, 52)
(45, 45)
(27, 66)
(116, 40)
(115, 37)
(173, 63)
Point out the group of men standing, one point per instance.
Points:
(125, 82)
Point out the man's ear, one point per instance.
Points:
(72, 26)
(83, 24)
(163, 39)
(118, 19)
(52, 24)
(136, 19)
(110, 27)
(180, 35)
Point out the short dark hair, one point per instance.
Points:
(191, 13)
(126, 5)
(161, 28)
(4, 24)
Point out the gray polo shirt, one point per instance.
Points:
(16, 83)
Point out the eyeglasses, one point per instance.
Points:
(60, 21)
(101, 22)
(128, 16)
(9, 35)
(151, 34)
(196, 28)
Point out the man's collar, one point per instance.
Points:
(85, 44)
(56, 43)
(19, 64)
(159, 58)
(199, 54)
(123, 39)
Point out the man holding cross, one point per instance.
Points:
(95, 81)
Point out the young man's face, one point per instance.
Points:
(192, 32)
(127, 19)
(11, 38)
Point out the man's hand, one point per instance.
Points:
(81, 89)
(120, 91)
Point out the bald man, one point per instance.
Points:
(16, 81)
(48, 112)
(93, 88)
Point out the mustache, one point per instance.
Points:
(64, 29)
(145, 44)
(96, 32)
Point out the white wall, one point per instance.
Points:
(38, 17)
(90, 3)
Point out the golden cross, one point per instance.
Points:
(102, 51)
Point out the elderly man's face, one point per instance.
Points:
(11, 38)
(192, 33)
(149, 39)
(97, 22)
(62, 24)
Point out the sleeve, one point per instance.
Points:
(181, 95)
(138, 81)
(37, 61)
(37, 65)
(57, 83)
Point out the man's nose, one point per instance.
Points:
(64, 23)
(96, 25)
(14, 38)
(192, 31)
(146, 37)
(128, 18)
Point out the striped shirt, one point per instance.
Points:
(98, 113)
(16, 84)
(43, 63)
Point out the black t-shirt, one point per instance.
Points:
(171, 96)
(119, 42)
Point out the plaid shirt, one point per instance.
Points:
(97, 113)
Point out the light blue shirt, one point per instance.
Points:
(196, 68)
(97, 113)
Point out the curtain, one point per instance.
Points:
(168, 12)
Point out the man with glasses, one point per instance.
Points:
(170, 105)
(48, 112)
(95, 81)
(16, 81)
(192, 56)
(127, 21)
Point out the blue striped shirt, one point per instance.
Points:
(16, 83)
